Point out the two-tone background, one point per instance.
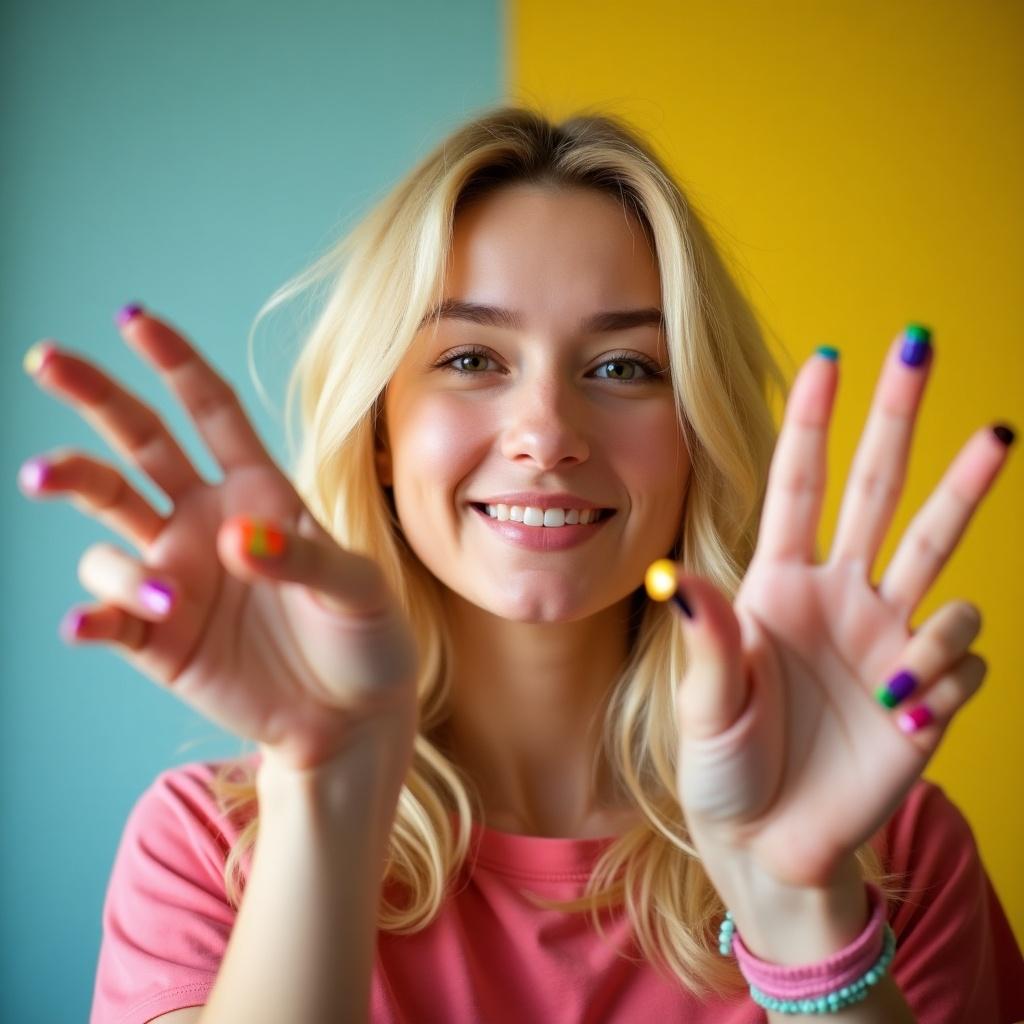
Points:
(860, 164)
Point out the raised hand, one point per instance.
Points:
(789, 760)
(238, 601)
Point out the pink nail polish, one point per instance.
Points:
(916, 718)
(71, 625)
(33, 474)
(127, 313)
(156, 596)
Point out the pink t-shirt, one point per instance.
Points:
(491, 956)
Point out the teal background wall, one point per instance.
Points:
(190, 156)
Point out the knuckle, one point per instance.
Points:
(877, 487)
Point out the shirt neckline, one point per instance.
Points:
(535, 856)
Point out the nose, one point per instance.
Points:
(543, 424)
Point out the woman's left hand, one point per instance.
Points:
(788, 760)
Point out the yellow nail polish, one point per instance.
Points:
(36, 356)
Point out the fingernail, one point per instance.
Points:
(916, 718)
(71, 625)
(127, 313)
(262, 540)
(662, 585)
(35, 358)
(680, 600)
(917, 341)
(1004, 433)
(156, 596)
(896, 689)
(828, 352)
(33, 474)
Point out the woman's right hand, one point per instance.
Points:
(277, 634)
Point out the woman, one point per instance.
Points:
(533, 378)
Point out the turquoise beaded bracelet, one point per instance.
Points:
(831, 1002)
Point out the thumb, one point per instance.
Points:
(343, 582)
(714, 689)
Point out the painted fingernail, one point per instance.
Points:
(35, 358)
(828, 352)
(71, 625)
(1004, 433)
(661, 585)
(33, 474)
(917, 340)
(156, 596)
(896, 689)
(127, 313)
(916, 718)
(262, 540)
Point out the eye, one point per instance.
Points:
(651, 369)
(457, 360)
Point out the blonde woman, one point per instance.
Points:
(558, 715)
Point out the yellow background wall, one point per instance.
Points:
(861, 165)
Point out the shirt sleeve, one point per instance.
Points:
(166, 917)
(956, 956)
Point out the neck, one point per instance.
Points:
(527, 710)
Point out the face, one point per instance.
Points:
(545, 405)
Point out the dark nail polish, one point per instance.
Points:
(1004, 433)
(680, 601)
(917, 341)
(897, 689)
(828, 352)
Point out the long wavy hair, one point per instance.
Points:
(376, 285)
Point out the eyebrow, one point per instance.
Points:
(495, 316)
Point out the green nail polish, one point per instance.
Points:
(828, 352)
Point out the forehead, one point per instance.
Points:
(555, 254)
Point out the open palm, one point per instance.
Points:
(787, 757)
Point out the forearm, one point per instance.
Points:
(792, 927)
(303, 944)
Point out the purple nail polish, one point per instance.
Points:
(899, 687)
(917, 341)
(156, 596)
(916, 718)
(71, 624)
(680, 601)
(1004, 433)
(33, 474)
(127, 313)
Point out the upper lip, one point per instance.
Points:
(534, 499)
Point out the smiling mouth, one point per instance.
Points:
(605, 513)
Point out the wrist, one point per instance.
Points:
(791, 925)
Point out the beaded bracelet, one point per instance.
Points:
(825, 987)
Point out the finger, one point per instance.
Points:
(714, 690)
(935, 531)
(129, 425)
(212, 404)
(925, 720)
(798, 474)
(879, 468)
(118, 579)
(95, 488)
(103, 623)
(341, 581)
(943, 639)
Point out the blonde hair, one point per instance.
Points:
(385, 275)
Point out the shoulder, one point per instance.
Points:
(179, 815)
(956, 957)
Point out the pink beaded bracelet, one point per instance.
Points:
(837, 981)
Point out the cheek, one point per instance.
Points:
(651, 455)
(435, 445)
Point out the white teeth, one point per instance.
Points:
(529, 516)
